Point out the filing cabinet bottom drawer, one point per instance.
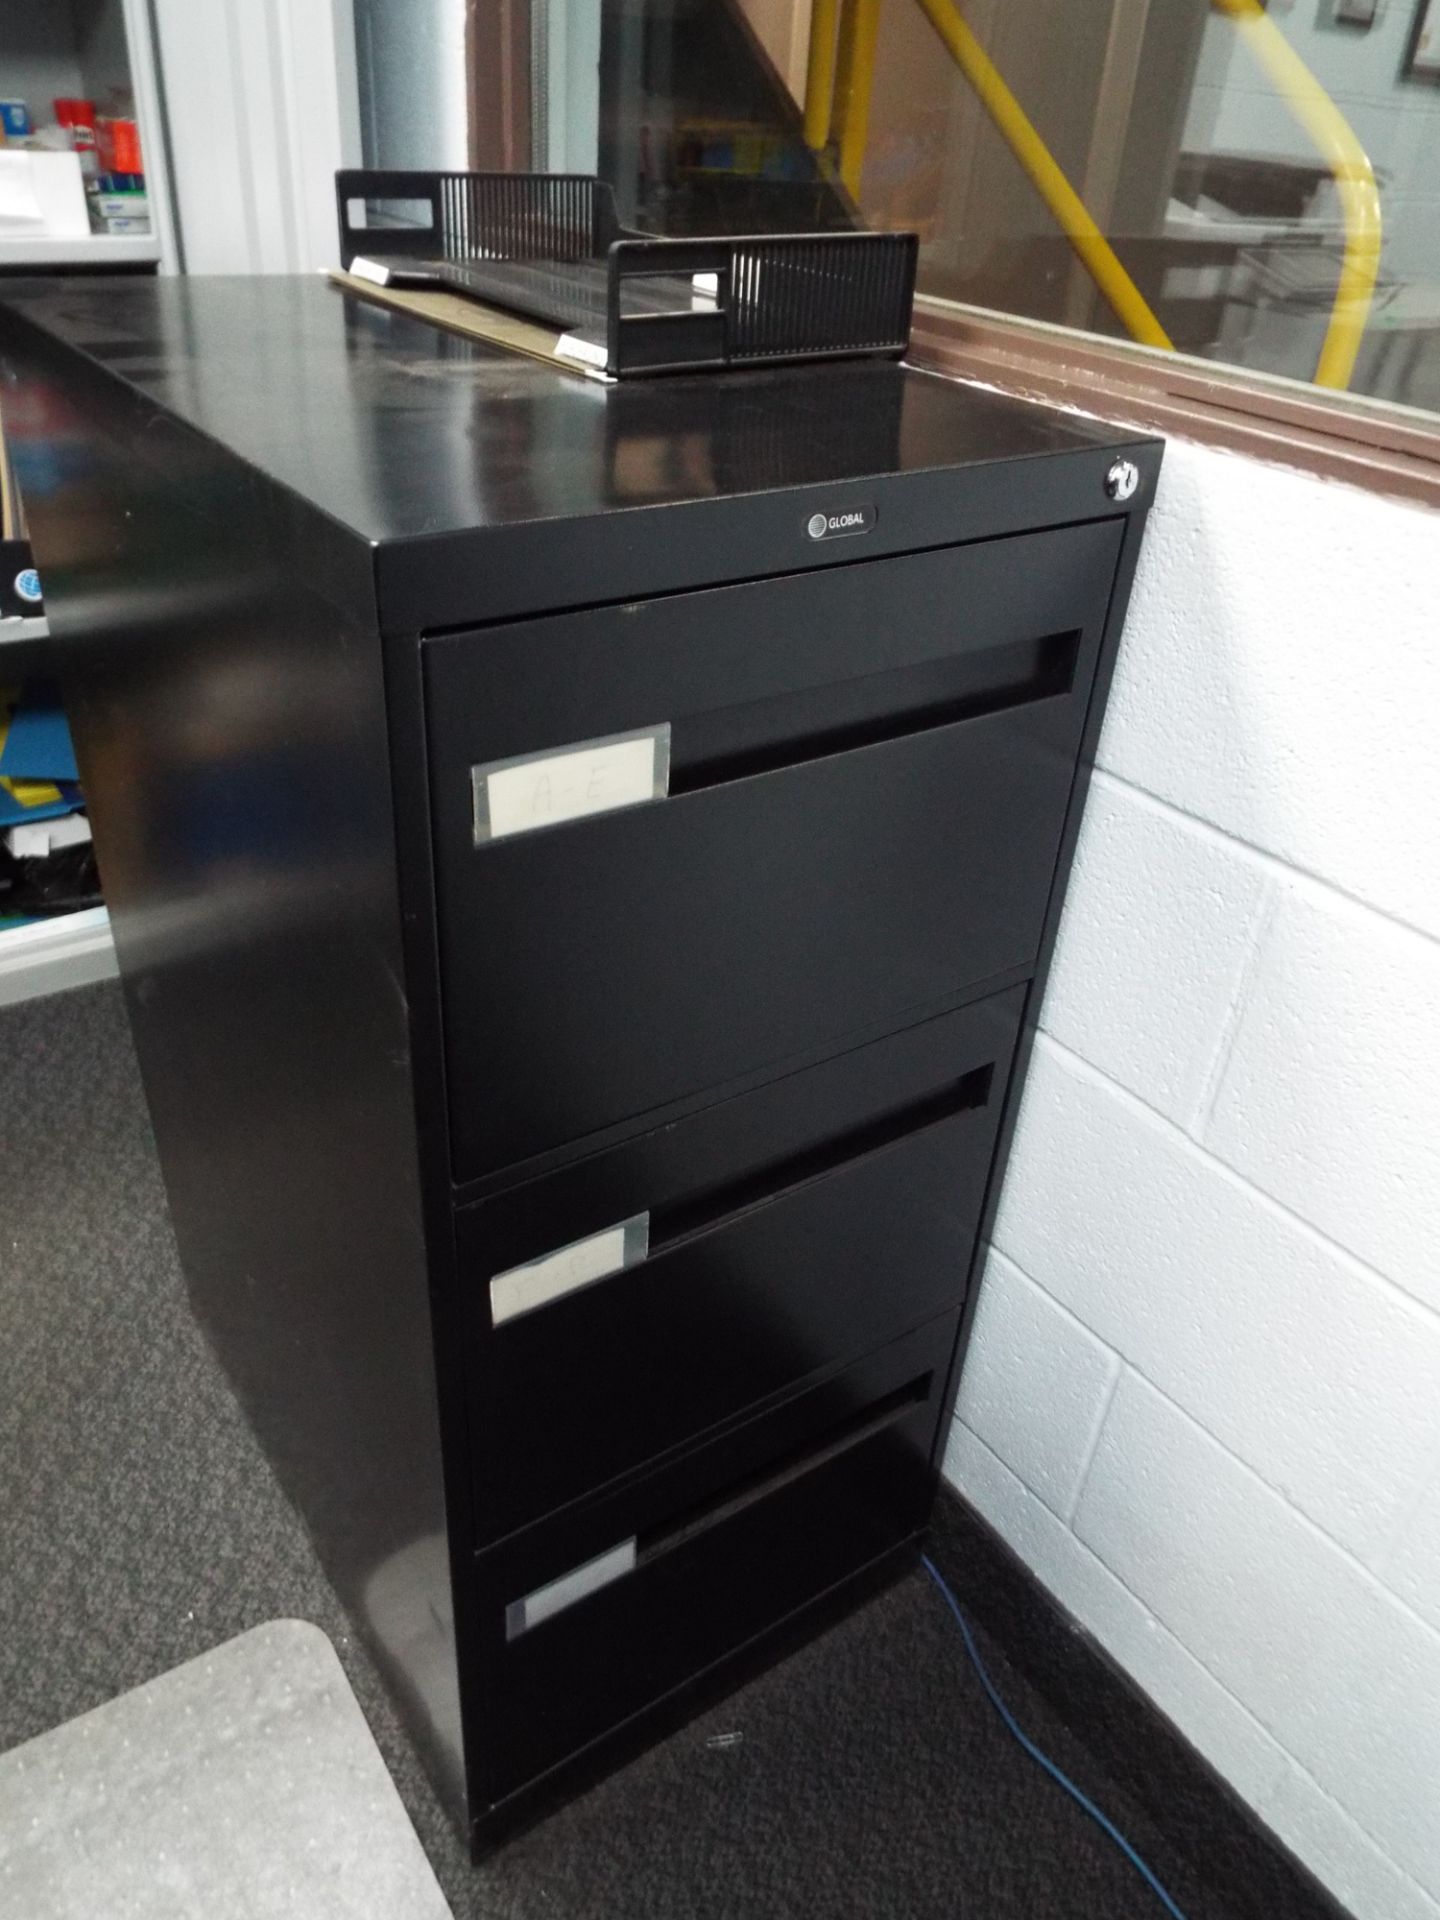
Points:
(590, 1619)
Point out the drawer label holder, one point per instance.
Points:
(578, 1584)
(580, 1264)
(549, 789)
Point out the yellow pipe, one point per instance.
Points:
(844, 69)
(1055, 190)
(10, 528)
(820, 73)
(859, 76)
(1354, 177)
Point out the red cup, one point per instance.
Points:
(75, 113)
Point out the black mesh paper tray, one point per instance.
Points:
(549, 246)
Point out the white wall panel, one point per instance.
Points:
(411, 63)
(1287, 666)
(261, 106)
(1039, 1386)
(1227, 1171)
(1301, 1813)
(1330, 1098)
(1210, 1717)
(1145, 978)
(1343, 1676)
(1319, 1376)
(1413, 1569)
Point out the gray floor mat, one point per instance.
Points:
(244, 1785)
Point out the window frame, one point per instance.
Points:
(1338, 436)
(1368, 443)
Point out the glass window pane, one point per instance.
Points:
(1202, 138)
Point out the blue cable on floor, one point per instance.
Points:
(1061, 1779)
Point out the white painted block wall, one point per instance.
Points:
(1203, 1397)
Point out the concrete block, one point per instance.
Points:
(1209, 1717)
(1332, 1666)
(1260, 688)
(1413, 1567)
(1159, 921)
(1330, 1099)
(1314, 1373)
(1334, 1847)
(1035, 1384)
(1340, 1853)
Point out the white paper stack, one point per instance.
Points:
(42, 196)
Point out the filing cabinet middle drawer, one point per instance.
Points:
(641, 1297)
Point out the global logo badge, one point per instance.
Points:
(829, 526)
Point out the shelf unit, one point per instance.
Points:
(74, 949)
(51, 48)
(46, 956)
(15, 634)
(99, 250)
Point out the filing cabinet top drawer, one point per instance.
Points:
(758, 820)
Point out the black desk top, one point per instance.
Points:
(394, 428)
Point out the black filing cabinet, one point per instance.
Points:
(584, 863)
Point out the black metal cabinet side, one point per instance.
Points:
(216, 640)
(410, 801)
(1030, 1020)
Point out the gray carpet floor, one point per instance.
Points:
(140, 1525)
